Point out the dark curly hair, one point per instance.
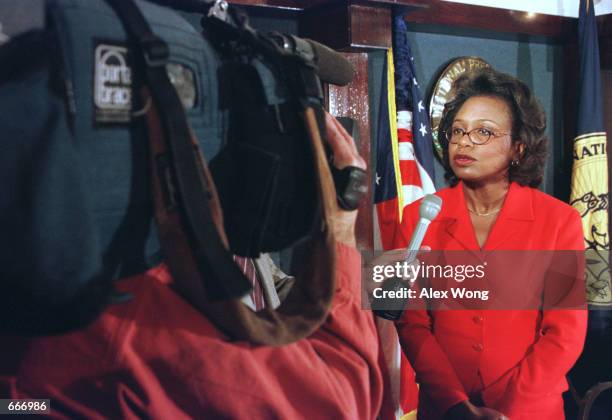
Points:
(528, 121)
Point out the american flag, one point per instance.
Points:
(414, 130)
(404, 173)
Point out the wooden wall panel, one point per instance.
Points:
(490, 18)
(348, 27)
(604, 27)
(352, 101)
(370, 27)
(435, 12)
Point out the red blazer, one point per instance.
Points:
(515, 361)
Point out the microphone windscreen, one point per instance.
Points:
(430, 207)
(333, 67)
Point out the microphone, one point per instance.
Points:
(333, 67)
(428, 210)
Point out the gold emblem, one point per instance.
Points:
(442, 91)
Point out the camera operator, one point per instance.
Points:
(157, 357)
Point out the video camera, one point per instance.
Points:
(112, 102)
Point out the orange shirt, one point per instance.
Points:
(158, 357)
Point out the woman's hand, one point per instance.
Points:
(465, 410)
(345, 154)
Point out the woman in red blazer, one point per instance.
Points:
(494, 364)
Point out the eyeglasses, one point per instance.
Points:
(478, 136)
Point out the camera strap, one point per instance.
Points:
(182, 188)
(189, 216)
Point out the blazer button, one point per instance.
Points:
(478, 347)
(478, 319)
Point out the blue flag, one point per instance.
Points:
(590, 170)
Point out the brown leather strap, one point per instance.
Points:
(175, 244)
(187, 187)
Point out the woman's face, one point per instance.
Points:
(485, 163)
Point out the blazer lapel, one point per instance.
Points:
(457, 220)
(516, 211)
